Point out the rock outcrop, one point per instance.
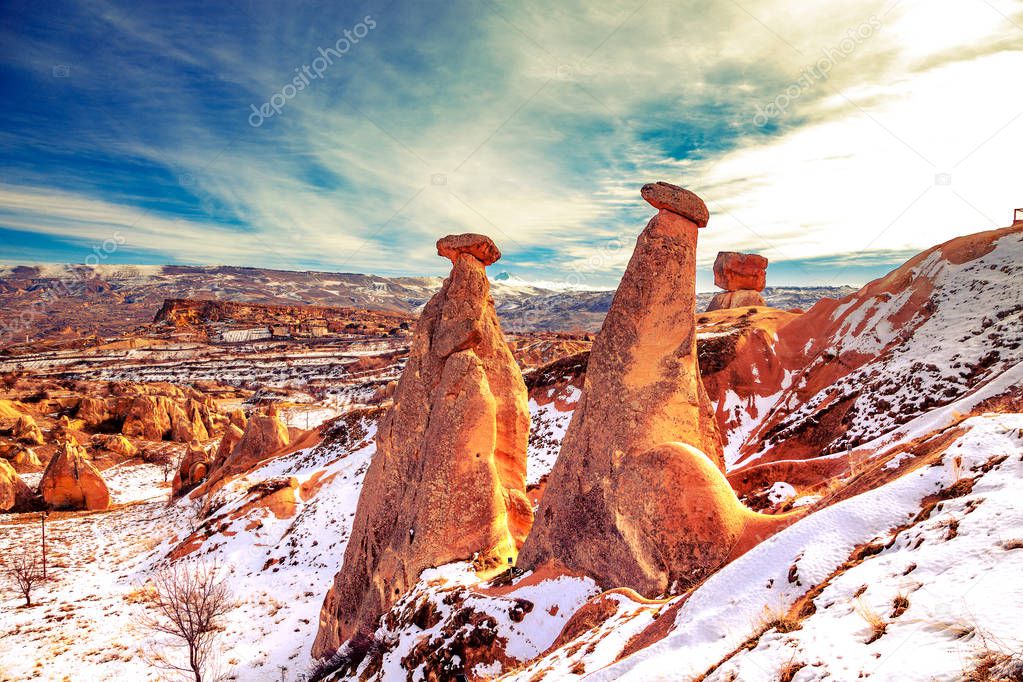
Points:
(71, 481)
(447, 482)
(27, 431)
(15, 495)
(232, 436)
(264, 435)
(644, 423)
(743, 276)
(115, 444)
(158, 417)
(193, 469)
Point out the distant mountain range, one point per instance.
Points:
(70, 301)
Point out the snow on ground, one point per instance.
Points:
(968, 332)
(279, 569)
(548, 423)
(82, 627)
(527, 621)
(958, 569)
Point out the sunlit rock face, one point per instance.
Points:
(644, 421)
(448, 479)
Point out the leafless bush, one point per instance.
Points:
(25, 572)
(187, 608)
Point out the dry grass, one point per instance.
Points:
(878, 625)
(899, 605)
(789, 670)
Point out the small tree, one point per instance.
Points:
(25, 572)
(188, 604)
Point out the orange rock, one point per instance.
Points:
(72, 482)
(682, 520)
(116, 444)
(642, 389)
(27, 431)
(263, 436)
(94, 411)
(192, 470)
(232, 436)
(148, 418)
(743, 298)
(447, 482)
(678, 200)
(734, 271)
(15, 495)
(479, 246)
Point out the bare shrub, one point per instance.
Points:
(25, 573)
(187, 606)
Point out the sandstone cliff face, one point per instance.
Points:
(447, 482)
(71, 482)
(642, 390)
(15, 495)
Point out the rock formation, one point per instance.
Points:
(193, 469)
(447, 482)
(71, 482)
(116, 444)
(636, 498)
(159, 417)
(22, 457)
(15, 495)
(232, 436)
(743, 276)
(264, 435)
(27, 431)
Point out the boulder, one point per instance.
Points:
(479, 246)
(678, 200)
(447, 482)
(682, 518)
(15, 495)
(27, 431)
(734, 271)
(642, 390)
(23, 457)
(116, 444)
(743, 298)
(72, 482)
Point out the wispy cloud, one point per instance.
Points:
(530, 123)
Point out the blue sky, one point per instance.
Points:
(836, 139)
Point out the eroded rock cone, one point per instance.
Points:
(642, 390)
(447, 482)
(72, 482)
(15, 495)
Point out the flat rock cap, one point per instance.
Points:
(663, 195)
(479, 246)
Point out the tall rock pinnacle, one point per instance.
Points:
(448, 480)
(637, 497)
